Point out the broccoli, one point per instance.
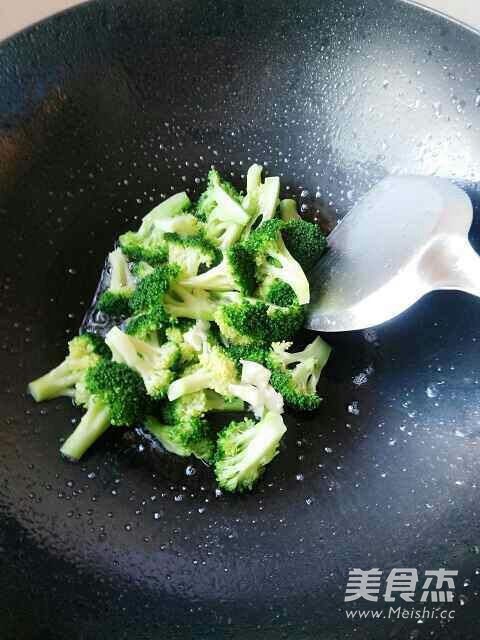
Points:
(216, 371)
(219, 206)
(254, 182)
(148, 242)
(244, 449)
(176, 333)
(296, 375)
(252, 321)
(264, 202)
(151, 290)
(84, 352)
(144, 323)
(305, 241)
(219, 193)
(184, 302)
(114, 301)
(277, 292)
(252, 352)
(283, 323)
(191, 252)
(236, 272)
(197, 404)
(255, 389)
(117, 397)
(274, 260)
(288, 210)
(142, 269)
(244, 322)
(154, 363)
(192, 437)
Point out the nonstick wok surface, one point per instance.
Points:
(103, 111)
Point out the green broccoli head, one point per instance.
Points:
(277, 292)
(145, 323)
(196, 405)
(305, 242)
(244, 449)
(84, 351)
(114, 304)
(252, 352)
(243, 322)
(119, 388)
(151, 290)
(153, 362)
(274, 260)
(236, 272)
(255, 322)
(191, 252)
(176, 333)
(208, 201)
(215, 370)
(192, 437)
(116, 395)
(296, 375)
(115, 300)
(149, 248)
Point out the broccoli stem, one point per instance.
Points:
(170, 207)
(290, 272)
(288, 210)
(92, 425)
(60, 381)
(191, 383)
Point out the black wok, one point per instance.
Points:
(102, 110)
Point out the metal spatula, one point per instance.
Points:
(406, 237)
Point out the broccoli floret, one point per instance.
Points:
(84, 352)
(236, 272)
(192, 437)
(255, 388)
(148, 242)
(176, 333)
(184, 302)
(277, 292)
(143, 324)
(251, 321)
(191, 252)
(244, 449)
(288, 210)
(262, 203)
(243, 323)
(114, 301)
(305, 241)
(274, 260)
(252, 352)
(117, 397)
(148, 248)
(283, 323)
(155, 363)
(254, 182)
(151, 290)
(196, 405)
(218, 192)
(215, 370)
(142, 269)
(296, 375)
(219, 206)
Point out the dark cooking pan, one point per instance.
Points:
(102, 110)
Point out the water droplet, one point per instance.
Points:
(477, 101)
(128, 527)
(190, 470)
(353, 408)
(309, 500)
(328, 450)
(431, 390)
(178, 498)
(299, 477)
